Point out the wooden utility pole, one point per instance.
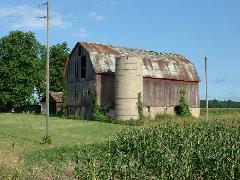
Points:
(47, 68)
(206, 75)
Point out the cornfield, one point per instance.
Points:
(197, 150)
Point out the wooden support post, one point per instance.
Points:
(206, 75)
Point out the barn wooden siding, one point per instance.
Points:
(156, 92)
(165, 93)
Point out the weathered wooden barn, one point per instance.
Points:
(55, 102)
(90, 68)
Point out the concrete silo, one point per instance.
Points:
(128, 83)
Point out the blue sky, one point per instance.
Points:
(192, 28)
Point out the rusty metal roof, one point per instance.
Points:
(156, 64)
(57, 96)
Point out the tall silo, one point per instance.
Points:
(128, 84)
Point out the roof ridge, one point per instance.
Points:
(130, 48)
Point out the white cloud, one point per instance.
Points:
(24, 17)
(95, 16)
(81, 33)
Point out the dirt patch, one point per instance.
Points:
(10, 164)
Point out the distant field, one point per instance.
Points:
(165, 147)
(221, 111)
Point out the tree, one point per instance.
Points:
(58, 57)
(19, 62)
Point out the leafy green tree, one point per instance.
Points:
(41, 79)
(19, 62)
(58, 57)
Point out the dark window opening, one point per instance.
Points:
(79, 51)
(69, 110)
(83, 67)
(177, 110)
(148, 107)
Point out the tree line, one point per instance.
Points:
(220, 104)
(22, 69)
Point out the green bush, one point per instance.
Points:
(97, 113)
(47, 140)
(183, 108)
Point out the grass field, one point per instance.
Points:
(199, 144)
(21, 134)
(29, 129)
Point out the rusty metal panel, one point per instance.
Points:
(57, 96)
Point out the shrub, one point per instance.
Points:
(183, 108)
(46, 140)
(97, 113)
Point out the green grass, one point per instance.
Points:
(29, 130)
(221, 111)
(26, 131)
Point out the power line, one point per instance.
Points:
(56, 13)
(89, 4)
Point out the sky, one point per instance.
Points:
(193, 28)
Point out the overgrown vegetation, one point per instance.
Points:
(140, 107)
(47, 140)
(183, 109)
(97, 113)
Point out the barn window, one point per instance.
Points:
(148, 108)
(79, 51)
(83, 67)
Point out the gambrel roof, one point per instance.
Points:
(155, 64)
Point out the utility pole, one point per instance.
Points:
(206, 75)
(47, 69)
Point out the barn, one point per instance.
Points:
(55, 103)
(95, 68)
